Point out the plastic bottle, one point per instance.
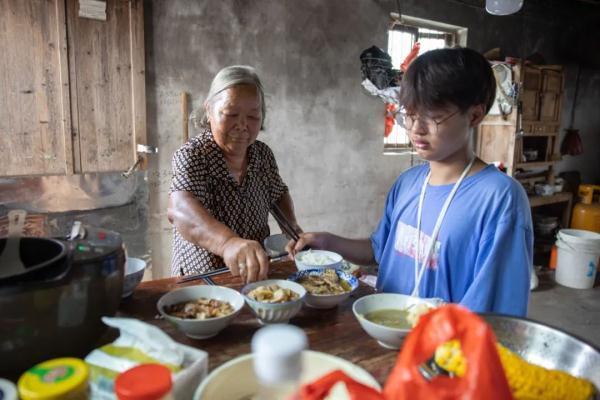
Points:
(57, 379)
(144, 382)
(277, 351)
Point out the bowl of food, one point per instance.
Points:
(274, 300)
(310, 259)
(217, 385)
(325, 288)
(201, 311)
(134, 272)
(388, 317)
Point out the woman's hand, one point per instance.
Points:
(314, 240)
(245, 258)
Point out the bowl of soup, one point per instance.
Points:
(386, 317)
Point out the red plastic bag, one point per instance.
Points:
(390, 117)
(484, 377)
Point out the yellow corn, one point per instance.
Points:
(526, 381)
(449, 356)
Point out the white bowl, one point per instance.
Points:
(218, 385)
(544, 189)
(275, 244)
(270, 313)
(134, 272)
(530, 155)
(325, 300)
(302, 263)
(390, 338)
(201, 328)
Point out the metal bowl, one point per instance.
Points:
(546, 346)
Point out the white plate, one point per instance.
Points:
(218, 384)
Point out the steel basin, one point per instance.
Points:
(546, 346)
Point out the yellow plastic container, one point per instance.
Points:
(57, 379)
(586, 214)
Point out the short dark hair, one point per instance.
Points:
(458, 76)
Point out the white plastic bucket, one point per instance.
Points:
(577, 258)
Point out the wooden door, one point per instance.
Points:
(531, 105)
(550, 96)
(34, 89)
(530, 91)
(106, 60)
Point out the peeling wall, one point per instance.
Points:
(324, 129)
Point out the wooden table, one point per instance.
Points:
(335, 331)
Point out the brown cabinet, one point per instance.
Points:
(35, 122)
(527, 140)
(75, 87)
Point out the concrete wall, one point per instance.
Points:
(587, 120)
(324, 129)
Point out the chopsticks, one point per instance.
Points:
(284, 224)
(206, 276)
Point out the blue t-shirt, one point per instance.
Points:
(484, 252)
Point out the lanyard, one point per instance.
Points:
(436, 229)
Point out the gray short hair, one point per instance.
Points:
(226, 78)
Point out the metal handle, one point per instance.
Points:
(127, 173)
(144, 149)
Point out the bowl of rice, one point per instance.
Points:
(311, 259)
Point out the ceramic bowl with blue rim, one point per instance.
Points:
(315, 297)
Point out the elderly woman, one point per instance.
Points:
(224, 183)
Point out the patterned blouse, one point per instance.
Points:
(199, 168)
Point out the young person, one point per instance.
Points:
(454, 228)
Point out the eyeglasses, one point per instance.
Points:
(408, 121)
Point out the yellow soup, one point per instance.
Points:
(390, 317)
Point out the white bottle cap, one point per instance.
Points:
(277, 351)
(8, 390)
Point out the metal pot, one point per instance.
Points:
(54, 308)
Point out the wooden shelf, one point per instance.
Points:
(533, 134)
(535, 164)
(534, 179)
(536, 201)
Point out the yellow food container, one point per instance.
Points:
(57, 379)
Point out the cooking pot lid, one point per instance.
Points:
(33, 254)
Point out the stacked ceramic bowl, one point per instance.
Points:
(274, 312)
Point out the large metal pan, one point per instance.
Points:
(546, 346)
